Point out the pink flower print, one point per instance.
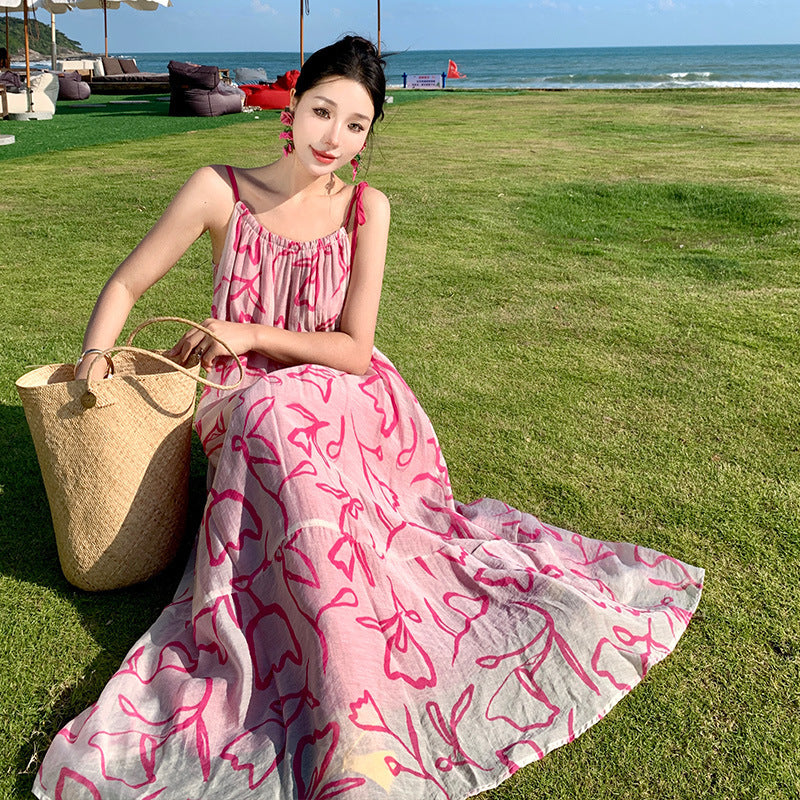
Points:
(351, 548)
(383, 402)
(447, 730)
(272, 643)
(601, 551)
(673, 565)
(626, 661)
(250, 287)
(404, 659)
(467, 608)
(334, 447)
(328, 324)
(519, 579)
(524, 675)
(505, 755)
(365, 714)
(311, 761)
(344, 273)
(206, 625)
(317, 376)
(264, 743)
(405, 456)
(306, 438)
(222, 507)
(377, 485)
(151, 735)
(68, 783)
(308, 293)
(251, 248)
(297, 565)
(254, 423)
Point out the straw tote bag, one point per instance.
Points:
(114, 456)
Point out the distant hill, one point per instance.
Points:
(38, 38)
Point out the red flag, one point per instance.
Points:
(452, 70)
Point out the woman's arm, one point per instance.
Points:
(198, 206)
(348, 349)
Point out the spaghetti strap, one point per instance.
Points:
(357, 203)
(235, 186)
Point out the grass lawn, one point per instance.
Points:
(595, 296)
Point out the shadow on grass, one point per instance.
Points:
(28, 554)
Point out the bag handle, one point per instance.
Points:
(89, 398)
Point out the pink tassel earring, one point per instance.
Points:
(355, 161)
(287, 119)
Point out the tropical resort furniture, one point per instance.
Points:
(44, 93)
(198, 91)
(113, 75)
(71, 87)
(270, 95)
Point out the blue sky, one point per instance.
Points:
(273, 25)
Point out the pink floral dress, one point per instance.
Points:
(345, 629)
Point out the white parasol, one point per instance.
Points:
(54, 7)
(139, 5)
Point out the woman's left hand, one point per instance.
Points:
(239, 335)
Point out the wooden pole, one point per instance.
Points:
(27, 55)
(105, 24)
(53, 54)
(379, 28)
(302, 58)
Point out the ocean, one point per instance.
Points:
(718, 66)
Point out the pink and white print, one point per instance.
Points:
(345, 628)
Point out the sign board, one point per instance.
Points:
(423, 81)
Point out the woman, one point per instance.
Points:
(345, 627)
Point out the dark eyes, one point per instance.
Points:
(324, 113)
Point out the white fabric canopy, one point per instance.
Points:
(139, 5)
(52, 6)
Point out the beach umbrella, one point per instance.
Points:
(54, 7)
(304, 9)
(139, 5)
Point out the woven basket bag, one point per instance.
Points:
(114, 456)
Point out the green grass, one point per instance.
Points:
(595, 296)
(103, 119)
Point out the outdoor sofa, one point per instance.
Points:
(196, 90)
(45, 92)
(270, 95)
(115, 75)
(71, 87)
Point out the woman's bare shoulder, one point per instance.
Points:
(376, 204)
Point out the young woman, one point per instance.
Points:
(345, 628)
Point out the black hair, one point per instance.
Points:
(351, 57)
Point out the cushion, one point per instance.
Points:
(11, 81)
(111, 66)
(288, 79)
(128, 66)
(71, 87)
(258, 96)
(248, 75)
(192, 76)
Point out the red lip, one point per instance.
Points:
(325, 158)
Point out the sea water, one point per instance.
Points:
(748, 66)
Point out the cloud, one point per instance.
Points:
(261, 7)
